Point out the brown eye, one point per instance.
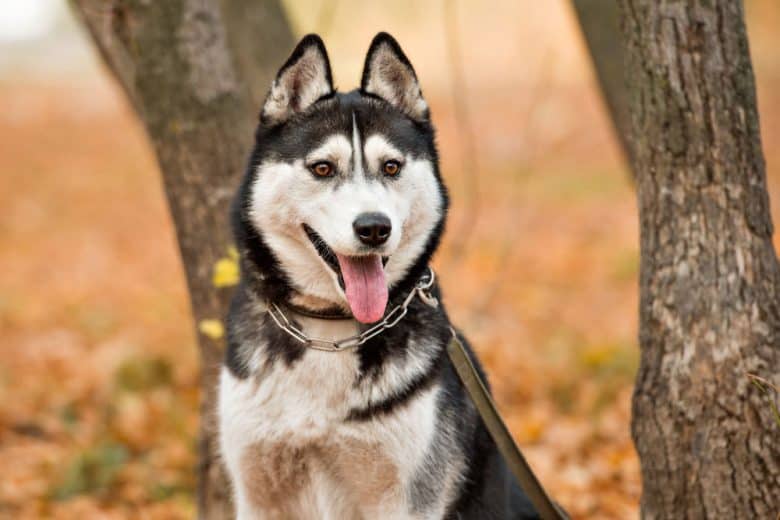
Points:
(322, 169)
(391, 167)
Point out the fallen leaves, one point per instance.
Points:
(211, 328)
(226, 274)
(226, 270)
(99, 395)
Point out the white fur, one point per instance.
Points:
(307, 403)
(335, 149)
(287, 195)
(378, 150)
(357, 147)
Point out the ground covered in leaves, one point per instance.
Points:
(99, 372)
(98, 366)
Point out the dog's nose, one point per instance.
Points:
(373, 229)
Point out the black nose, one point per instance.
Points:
(373, 229)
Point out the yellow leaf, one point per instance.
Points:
(211, 328)
(596, 356)
(226, 272)
(233, 252)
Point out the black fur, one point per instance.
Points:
(489, 491)
(310, 40)
(259, 266)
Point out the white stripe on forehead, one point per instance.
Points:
(357, 148)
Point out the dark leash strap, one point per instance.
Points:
(519, 467)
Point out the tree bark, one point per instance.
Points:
(194, 76)
(599, 22)
(709, 275)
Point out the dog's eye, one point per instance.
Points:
(391, 168)
(322, 169)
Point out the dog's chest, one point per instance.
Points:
(286, 436)
(300, 399)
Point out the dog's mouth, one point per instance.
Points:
(325, 252)
(362, 278)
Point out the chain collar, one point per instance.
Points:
(391, 319)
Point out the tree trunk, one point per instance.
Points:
(709, 276)
(187, 67)
(599, 22)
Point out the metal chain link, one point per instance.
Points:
(390, 320)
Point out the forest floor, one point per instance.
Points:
(99, 368)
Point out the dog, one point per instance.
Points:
(336, 220)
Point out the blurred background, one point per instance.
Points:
(98, 359)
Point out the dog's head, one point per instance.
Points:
(343, 203)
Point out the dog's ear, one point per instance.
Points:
(389, 75)
(301, 81)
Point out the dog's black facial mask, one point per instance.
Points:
(301, 114)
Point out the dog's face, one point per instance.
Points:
(345, 189)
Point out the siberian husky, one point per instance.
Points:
(336, 220)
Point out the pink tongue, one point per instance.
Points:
(364, 279)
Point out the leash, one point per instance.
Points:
(475, 387)
(468, 375)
